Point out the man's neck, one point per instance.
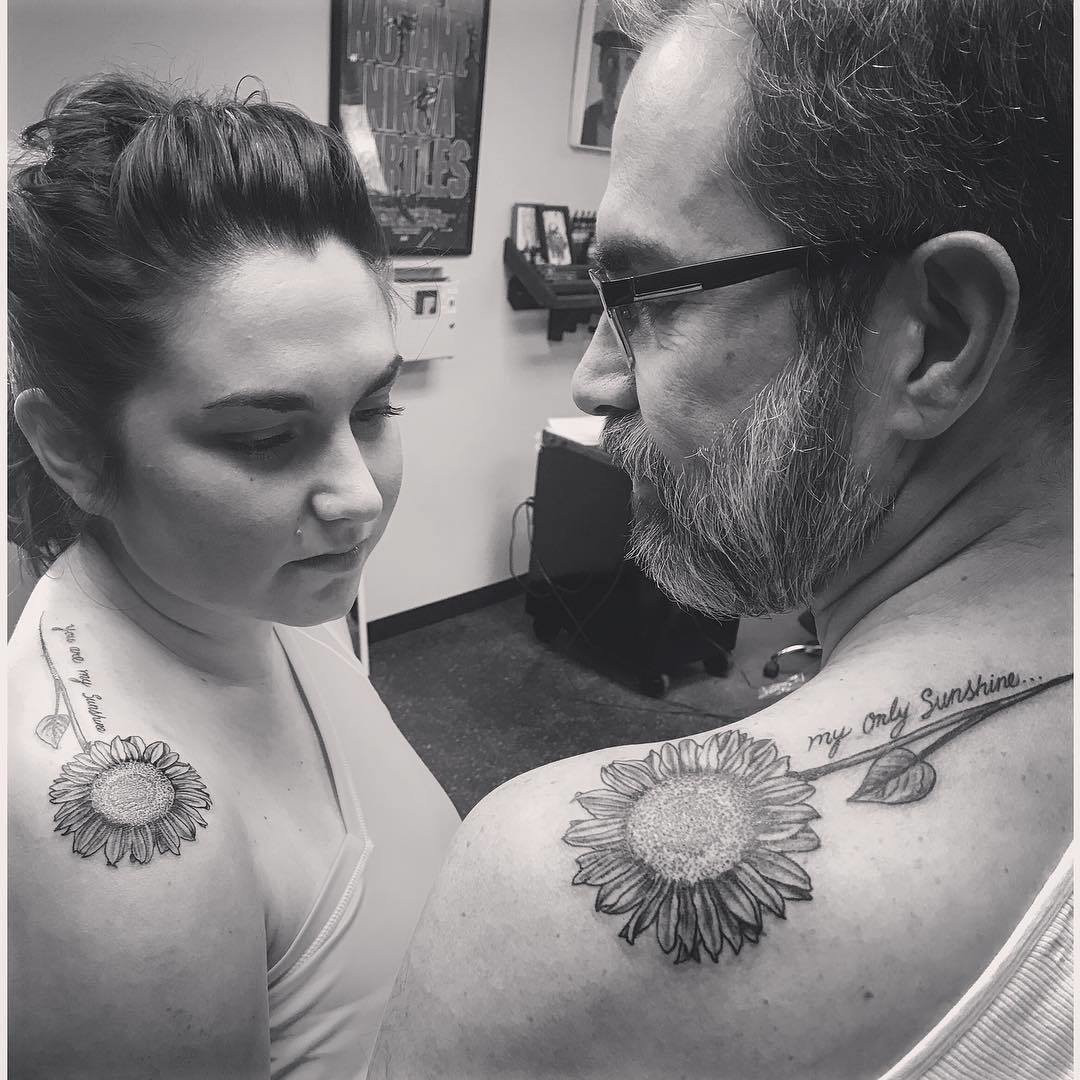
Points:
(236, 650)
(960, 554)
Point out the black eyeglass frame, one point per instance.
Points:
(623, 292)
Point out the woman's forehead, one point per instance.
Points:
(285, 316)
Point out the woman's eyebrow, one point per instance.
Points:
(289, 401)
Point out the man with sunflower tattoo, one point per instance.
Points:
(835, 260)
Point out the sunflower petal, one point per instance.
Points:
(688, 756)
(80, 773)
(731, 748)
(154, 752)
(604, 802)
(737, 900)
(600, 867)
(72, 816)
(785, 815)
(596, 832)
(760, 889)
(191, 812)
(136, 744)
(708, 921)
(121, 751)
(669, 760)
(761, 756)
(778, 869)
(118, 846)
(713, 750)
(627, 777)
(804, 840)
(166, 836)
(780, 767)
(784, 789)
(66, 791)
(166, 760)
(646, 913)
(773, 834)
(183, 825)
(91, 837)
(686, 927)
(99, 753)
(666, 920)
(733, 929)
(652, 761)
(142, 844)
(624, 893)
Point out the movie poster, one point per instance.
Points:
(408, 82)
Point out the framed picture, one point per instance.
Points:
(525, 229)
(406, 90)
(555, 227)
(604, 58)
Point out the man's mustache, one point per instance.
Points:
(626, 441)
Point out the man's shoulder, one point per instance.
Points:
(800, 889)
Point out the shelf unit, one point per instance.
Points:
(567, 304)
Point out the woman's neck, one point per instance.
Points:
(239, 650)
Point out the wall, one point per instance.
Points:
(470, 423)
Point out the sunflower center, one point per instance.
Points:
(132, 793)
(690, 828)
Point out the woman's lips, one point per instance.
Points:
(336, 562)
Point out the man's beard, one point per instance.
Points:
(757, 521)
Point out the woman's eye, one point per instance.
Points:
(259, 447)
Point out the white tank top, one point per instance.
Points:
(328, 991)
(1016, 1021)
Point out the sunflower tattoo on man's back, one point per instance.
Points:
(698, 839)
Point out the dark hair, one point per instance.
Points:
(894, 122)
(128, 198)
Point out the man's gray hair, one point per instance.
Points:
(897, 120)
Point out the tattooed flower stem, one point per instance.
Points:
(958, 722)
(60, 689)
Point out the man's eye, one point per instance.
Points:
(367, 416)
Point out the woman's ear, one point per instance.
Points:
(961, 294)
(67, 454)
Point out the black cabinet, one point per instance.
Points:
(580, 583)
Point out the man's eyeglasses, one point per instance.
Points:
(620, 295)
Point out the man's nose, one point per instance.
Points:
(602, 381)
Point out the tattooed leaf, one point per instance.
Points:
(895, 777)
(51, 729)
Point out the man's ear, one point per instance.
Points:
(67, 454)
(961, 293)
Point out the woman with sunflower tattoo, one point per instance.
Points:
(220, 843)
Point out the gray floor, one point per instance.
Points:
(482, 701)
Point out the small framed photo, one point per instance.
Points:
(555, 223)
(525, 229)
(426, 302)
(603, 60)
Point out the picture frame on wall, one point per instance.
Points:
(406, 91)
(526, 231)
(603, 60)
(555, 231)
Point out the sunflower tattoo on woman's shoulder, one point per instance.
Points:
(697, 840)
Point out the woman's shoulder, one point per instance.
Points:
(127, 868)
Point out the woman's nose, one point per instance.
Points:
(602, 382)
(349, 490)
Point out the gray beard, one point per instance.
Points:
(757, 521)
